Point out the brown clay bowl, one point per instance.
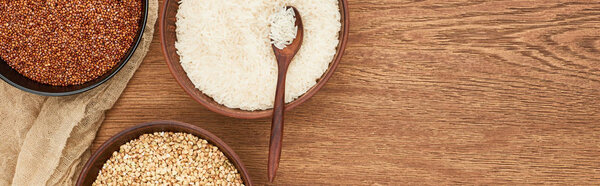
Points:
(94, 164)
(168, 37)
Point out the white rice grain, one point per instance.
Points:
(225, 49)
(283, 27)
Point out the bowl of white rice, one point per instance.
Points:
(220, 52)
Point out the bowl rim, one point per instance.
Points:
(85, 89)
(243, 114)
(206, 135)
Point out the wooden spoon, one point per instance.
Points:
(284, 58)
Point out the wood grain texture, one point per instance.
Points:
(428, 92)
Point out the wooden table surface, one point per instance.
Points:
(428, 92)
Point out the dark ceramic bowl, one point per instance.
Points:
(168, 37)
(15, 79)
(94, 164)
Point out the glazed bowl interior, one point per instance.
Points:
(94, 165)
(17, 80)
(168, 38)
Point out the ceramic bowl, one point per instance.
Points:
(168, 37)
(94, 164)
(19, 81)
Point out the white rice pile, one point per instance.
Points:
(225, 48)
(283, 27)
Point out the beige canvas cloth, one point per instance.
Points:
(46, 140)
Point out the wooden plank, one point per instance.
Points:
(429, 92)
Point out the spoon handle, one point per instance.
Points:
(277, 123)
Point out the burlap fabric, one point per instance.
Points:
(46, 140)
